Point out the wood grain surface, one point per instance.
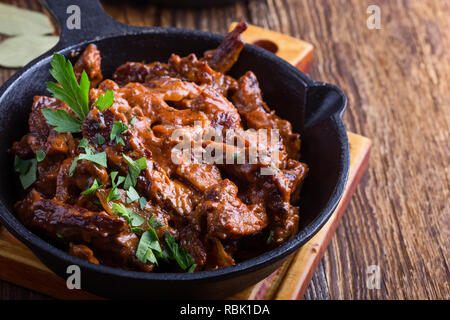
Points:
(397, 81)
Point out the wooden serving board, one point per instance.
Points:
(20, 266)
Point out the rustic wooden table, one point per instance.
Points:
(397, 80)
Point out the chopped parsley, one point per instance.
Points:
(26, 170)
(134, 220)
(97, 158)
(105, 100)
(142, 203)
(117, 130)
(134, 169)
(137, 230)
(98, 139)
(270, 238)
(40, 155)
(178, 253)
(153, 222)
(114, 194)
(192, 268)
(133, 121)
(132, 195)
(83, 144)
(95, 185)
(148, 246)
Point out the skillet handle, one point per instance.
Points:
(81, 20)
(323, 100)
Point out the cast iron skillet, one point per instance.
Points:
(314, 109)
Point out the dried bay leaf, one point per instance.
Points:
(18, 51)
(17, 21)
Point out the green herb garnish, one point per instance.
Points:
(132, 195)
(62, 121)
(137, 230)
(95, 185)
(192, 268)
(26, 170)
(153, 222)
(114, 194)
(83, 144)
(178, 253)
(133, 121)
(117, 130)
(98, 139)
(148, 245)
(75, 95)
(105, 100)
(142, 203)
(270, 238)
(97, 158)
(40, 155)
(134, 220)
(134, 169)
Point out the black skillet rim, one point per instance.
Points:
(35, 243)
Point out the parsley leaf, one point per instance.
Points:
(26, 170)
(178, 253)
(270, 238)
(153, 222)
(40, 155)
(62, 121)
(134, 169)
(142, 202)
(192, 268)
(137, 230)
(114, 194)
(132, 195)
(98, 139)
(117, 130)
(83, 143)
(75, 95)
(133, 218)
(91, 189)
(164, 255)
(97, 158)
(133, 121)
(148, 244)
(105, 100)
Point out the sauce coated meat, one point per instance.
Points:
(195, 215)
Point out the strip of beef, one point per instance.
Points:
(89, 61)
(191, 69)
(106, 233)
(73, 223)
(188, 68)
(227, 216)
(120, 251)
(227, 53)
(138, 72)
(248, 100)
(39, 129)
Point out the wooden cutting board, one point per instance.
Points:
(20, 266)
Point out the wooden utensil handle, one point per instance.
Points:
(297, 52)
